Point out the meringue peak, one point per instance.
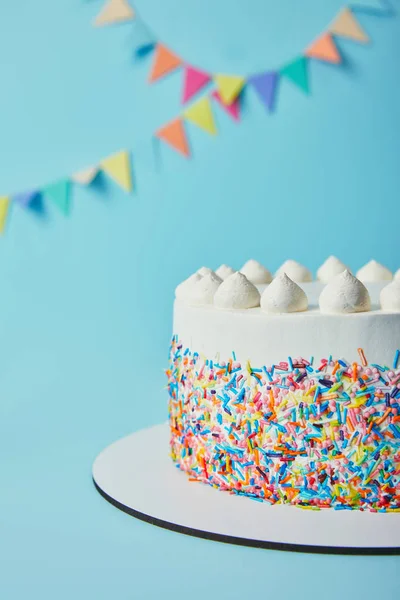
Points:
(344, 294)
(256, 272)
(283, 296)
(237, 292)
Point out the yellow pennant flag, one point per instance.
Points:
(118, 167)
(4, 204)
(229, 87)
(200, 114)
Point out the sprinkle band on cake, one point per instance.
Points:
(312, 433)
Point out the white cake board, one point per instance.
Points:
(137, 475)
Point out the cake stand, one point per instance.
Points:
(136, 475)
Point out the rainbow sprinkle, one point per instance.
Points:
(312, 435)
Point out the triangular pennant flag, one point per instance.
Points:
(143, 39)
(229, 86)
(265, 86)
(194, 81)
(296, 71)
(25, 198)
(4, 205)
(58, 192)
(232, 109)
(173, 133)
(118, 168)
(346, 25)
(324, 49)
(86, 176)
(200, 114)
(165, 62)
(114, 11)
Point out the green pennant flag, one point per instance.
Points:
(296, 71)
(58, 192)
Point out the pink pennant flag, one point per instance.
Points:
(232, 109)
(194, 81)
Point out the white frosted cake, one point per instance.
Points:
(287, 390)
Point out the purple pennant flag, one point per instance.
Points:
(25, 198)
(265, 85)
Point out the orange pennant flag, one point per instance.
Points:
(324, 49)
(174, 134)
(165, 62)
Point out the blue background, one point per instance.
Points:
(86, 301)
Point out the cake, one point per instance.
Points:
(289, 392)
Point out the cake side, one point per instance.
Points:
(309, 433)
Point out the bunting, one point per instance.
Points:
(297, 73)
(173, 133)
(200, 114)
(229, 86)
(114, 11)
(345, 25)
(4, 206)
(117, 166)
(233, 109)
(324, 49)
(164, 63)
(265, 86)
(194, 81)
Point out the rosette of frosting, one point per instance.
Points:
(283, 296)
(330, 268)
(182, 291)
(224, 271)
(295, 271)
(344, 294)
(237, 292)
(397, 274)
(204, 271)
(373, 272)
(203, 290)
(256, 272)
(390, 296)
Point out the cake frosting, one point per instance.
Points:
(299, 407)
(397, 274)
(256, 272)
(283, 296)
(295, 271)
(390, 296)
(344, 294)
(374, 271)
(204, 271)
(330, 268)
(182, 291)
(224, 271)
(203, 290)
(237, 292)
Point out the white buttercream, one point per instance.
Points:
(295, 271)
(256, 272)
(390, 296)
(182, 291)
(237, 292)
(344, 294)
(397, 274)
(204, 271)
(283, 296)
(203, 290)
(374, 271)
(330, 268)
(224, 271)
